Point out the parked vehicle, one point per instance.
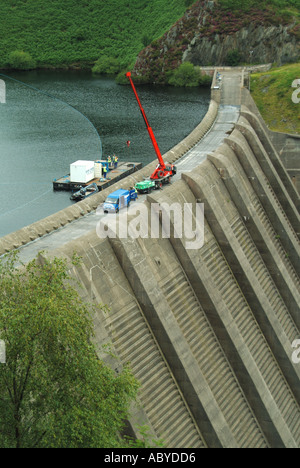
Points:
(118, 200)
(145, 186)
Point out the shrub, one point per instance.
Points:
(185, 75)
(106, 66)
(205, 80)
(233, 58)
(20, 60)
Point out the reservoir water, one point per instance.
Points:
(51, 119)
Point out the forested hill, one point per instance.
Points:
(63, 32)
(60, 33)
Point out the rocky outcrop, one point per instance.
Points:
(254, 44)
(210, 35)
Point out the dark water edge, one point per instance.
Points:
(58, 119)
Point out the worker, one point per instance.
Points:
(133, 193)
(115, 160)
(109, 161)
(104, 170)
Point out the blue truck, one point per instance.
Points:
(118, 200)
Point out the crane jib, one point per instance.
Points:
(150, 131)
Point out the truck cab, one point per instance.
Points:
(116, 201)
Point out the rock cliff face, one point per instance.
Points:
(254, 44)
(210, 35)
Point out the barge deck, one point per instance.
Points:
(114, 175)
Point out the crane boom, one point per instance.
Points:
(150, 131)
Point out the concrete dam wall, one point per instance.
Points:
(208, 331)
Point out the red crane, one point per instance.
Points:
(163, 171)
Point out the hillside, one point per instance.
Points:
(225, 32)
(61, 33)
(273, 94)
(163, 33)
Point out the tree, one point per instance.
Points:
(185, 75)
(54, 390)
(20, 60)
(233, 58)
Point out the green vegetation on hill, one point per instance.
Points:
(213, 24)
(35, 33)
(273, 94)
(60, 33)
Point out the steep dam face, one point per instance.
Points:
(209, 327)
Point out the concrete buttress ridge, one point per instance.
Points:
(208, 331)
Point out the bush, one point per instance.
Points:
(20, 60)
(186, 75)
(106, 66)
(233, 58)
(205, 80)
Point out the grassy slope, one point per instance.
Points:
(272, 92)
(60, 32)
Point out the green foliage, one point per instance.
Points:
(145, 440)
(233, 58)
(205, 80)
(146, 39)
(20, 60)
(55, 392)
(106, 66)
(61, 33)
(188, 75)
(272, 92)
